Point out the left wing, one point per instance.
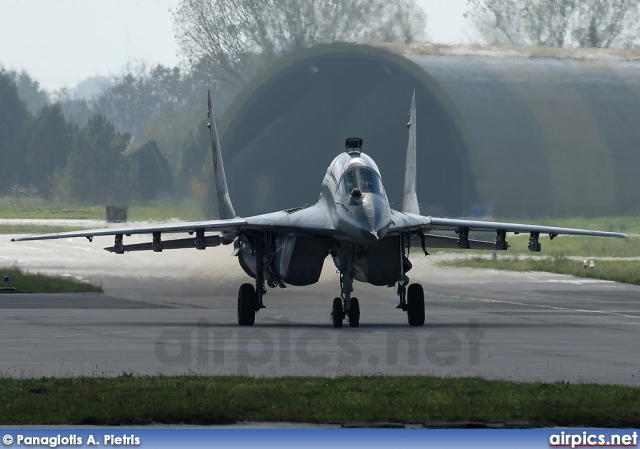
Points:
(516, 228)
(427, 228)
(422, 227)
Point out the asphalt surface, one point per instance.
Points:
(175, 312)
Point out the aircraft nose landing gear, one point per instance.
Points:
(337, 313)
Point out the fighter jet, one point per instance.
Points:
(352, 222)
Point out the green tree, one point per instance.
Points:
(238, 37)
(47, 147)
(195, 150)
(29, 91)
(98, 171)
(156, 103)
(14, 117)
(153, 174)
(558, 23)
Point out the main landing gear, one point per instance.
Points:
(247, 305)
(411, 301)
(250, 297)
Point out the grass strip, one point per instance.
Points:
(34, 229)
(26, 282)
(580, 246)
(130, 400)
(37, 208)
(627, 271)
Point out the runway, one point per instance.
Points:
(175, 313)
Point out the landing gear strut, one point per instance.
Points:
(346, 306)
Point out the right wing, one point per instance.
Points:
(230, 225)
(310, 220)
(226, 232)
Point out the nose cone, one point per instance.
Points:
(373, 218)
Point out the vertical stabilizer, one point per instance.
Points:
(409, 197)
(225, 208)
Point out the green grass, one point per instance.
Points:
(37, 208)
(578, 246)
(34, 229)
(26, 282)
(627, 271)
(203, 400)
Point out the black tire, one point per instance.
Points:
(354, 313)
(247, 300)
(337, 314)
(415, 305)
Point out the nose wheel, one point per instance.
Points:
(354, 313)
(338, 314)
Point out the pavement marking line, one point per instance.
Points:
(28, 247)
(502, 301)
(51, 337)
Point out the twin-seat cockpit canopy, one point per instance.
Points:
(356, 170)
(362, 178)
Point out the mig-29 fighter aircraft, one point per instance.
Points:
(352, 222)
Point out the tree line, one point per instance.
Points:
(62, 160)
(143, 132)
(557, 23)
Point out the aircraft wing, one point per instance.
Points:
(516, 228)
(310, 220)
(427, 230)
(234, 224)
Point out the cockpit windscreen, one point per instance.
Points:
(365, 179)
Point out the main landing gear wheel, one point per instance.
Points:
(337, 314)
(415, 305)
(247, 305)
(354, 313)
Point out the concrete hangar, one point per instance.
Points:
(507, 132)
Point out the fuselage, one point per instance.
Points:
(354, 194)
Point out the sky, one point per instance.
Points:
(62, 42)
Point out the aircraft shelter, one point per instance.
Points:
(507, 132)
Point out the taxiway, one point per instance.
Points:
(175, 312)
